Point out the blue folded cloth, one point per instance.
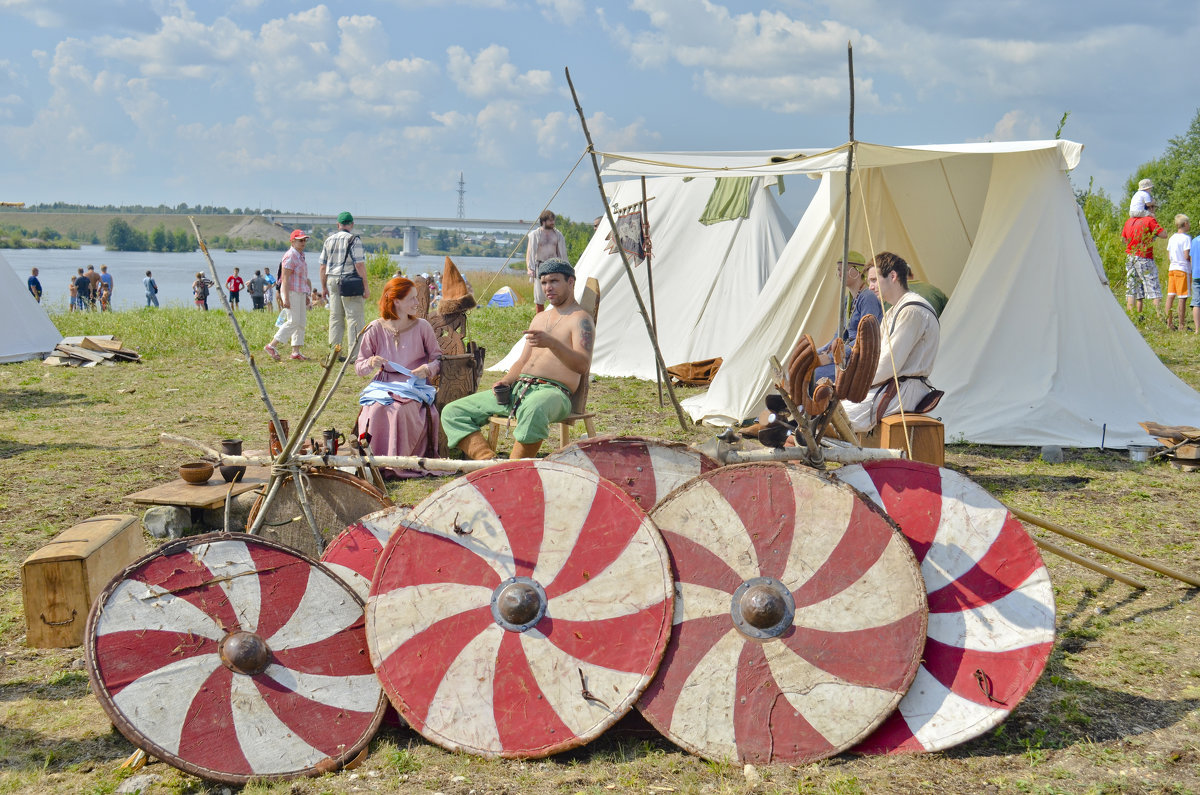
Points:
(382, 392)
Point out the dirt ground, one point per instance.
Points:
(1117, 709)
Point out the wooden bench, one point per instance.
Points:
(927, 437)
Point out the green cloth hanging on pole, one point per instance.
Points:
(730, 199)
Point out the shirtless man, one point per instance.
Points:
(545, 243)
(558, 351)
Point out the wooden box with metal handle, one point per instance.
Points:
(60, 580)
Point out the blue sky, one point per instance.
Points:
(377, 106)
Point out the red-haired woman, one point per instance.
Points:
(399, 340)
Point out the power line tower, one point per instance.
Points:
(462, 192)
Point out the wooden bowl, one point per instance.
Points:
(197, 473)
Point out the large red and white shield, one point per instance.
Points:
(646, 469)
(522, 611)
(991, 605)
(799, 616)
(234, 658)
(355, 552)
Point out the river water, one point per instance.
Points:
(175, 272)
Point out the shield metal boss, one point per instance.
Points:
(646, 469)
(337, 499)
(234, 658)
(799, 616)
(991, 605)
(521, 612)
(355, 553)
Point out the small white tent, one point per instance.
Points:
(1034, 348)
(706, 277)
(25, 330)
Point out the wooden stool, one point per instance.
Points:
(926, 434)
(564, 428)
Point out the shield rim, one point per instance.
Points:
(139, 740)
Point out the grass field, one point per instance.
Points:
(1117, 710)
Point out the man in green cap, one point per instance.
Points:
(341, 259)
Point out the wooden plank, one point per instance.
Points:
(210, 495)
(95, 344)
(79, 340)
(82, 353)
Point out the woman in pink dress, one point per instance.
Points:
(406, 426)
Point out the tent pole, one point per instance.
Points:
(612, 224)
(846, 215)
(659, 375)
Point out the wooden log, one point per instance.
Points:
(1088, 564)
(1145, 563)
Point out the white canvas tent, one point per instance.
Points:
(1034, 348)
(25, 330)
(706, 277)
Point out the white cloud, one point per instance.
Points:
(610, 137)
(490, 74)
(1016, 125)
(566, 11)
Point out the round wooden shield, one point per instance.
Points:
(234, 658)
(522, 611)
(799, 616)
(337, 498)
(355, 553)
(991, 605)
(646, 469)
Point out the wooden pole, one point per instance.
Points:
(1145, 563)
(1088, 564)
(659, 375)
(637, 294)
(846, 214)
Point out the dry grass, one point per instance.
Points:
(1118, 709)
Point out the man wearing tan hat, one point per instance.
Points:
(864, 302)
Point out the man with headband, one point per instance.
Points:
(536, 392)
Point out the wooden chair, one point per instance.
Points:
(590, 301)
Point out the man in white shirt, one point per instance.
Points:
(545, 243)
(909, 337)
(1179, 254)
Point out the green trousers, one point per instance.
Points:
(538, 408)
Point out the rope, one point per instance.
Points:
(891, 356)
(545, 207)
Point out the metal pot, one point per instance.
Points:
(1140, 452)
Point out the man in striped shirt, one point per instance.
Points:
(342, 255)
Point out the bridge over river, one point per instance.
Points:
(409, 223)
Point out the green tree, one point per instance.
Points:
(1176, 176)
(123, 237)
(159, 240)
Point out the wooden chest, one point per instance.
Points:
(61, 580)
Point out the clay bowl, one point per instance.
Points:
(197, 473)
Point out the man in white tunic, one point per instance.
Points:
(909, 342)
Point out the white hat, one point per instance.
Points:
(1145, 185)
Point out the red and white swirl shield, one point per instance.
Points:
(355, 552)
(234, 658)
(991, 605)
(646, 469)
(799, 616)
(522, 612)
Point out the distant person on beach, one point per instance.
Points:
(93, 286)
(1141, 274)
(200, 291)
(341, 257)
(293, 293)
(105, 298)
(234, 284)
(544, 243)
(269, 289)
(73, 291)
(106, 280)
(83, 290)
(1179, 271)
(255, 289)
(315, 299)
(151, 288)
(35, 286)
